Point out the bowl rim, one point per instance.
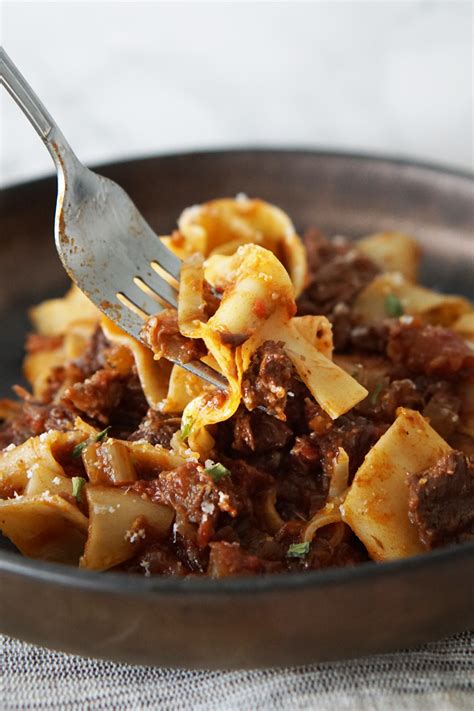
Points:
(125, 584)
(298, 149)
(136, 585)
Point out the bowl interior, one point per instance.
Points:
(341, 194)
(94, 614)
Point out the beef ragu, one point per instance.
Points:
(351, 394)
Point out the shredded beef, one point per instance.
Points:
(429, 350)
(162, 334)
(436, 399)
(441, 407)
(101, 386)
(267, 381)
(463, 442)
(95, 356)
(131, 409)
(302, 486)
(159, 558)
(256, 432)
(192, 491)
(97, 396)
(385, 398)
(441, 501)
(369, 337)
(335, 546)
(279, 446)
(228, 559)
(355, 434)
(337, 274)
(157, 428)
(33, 419)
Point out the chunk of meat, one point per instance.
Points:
(159, 558)
(355, 434)
(336, 551)
(338, 272)
(267, 381)
(441, 501)
(302, 486)
(247, 480)
(463, 442)
(76, 371)
(436, 399)
(98, 395)
(441, 406)
(191, 492)
(95, 355)
(369, 337)
(230, 559)
(33, 419)
(429, 350)
(385, 398)
(257, 432)
(335, 546)
(162, 334)
(131, 409)
(157, 428)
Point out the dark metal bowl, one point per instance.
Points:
(246, 622)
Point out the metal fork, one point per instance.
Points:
(105, 245)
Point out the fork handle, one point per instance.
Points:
(17, 86)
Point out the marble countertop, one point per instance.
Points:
(127, 79)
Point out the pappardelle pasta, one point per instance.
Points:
(346, 432)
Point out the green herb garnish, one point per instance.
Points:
(393, 306)
(298, 550)
(102, 435)
(375, 394)
(217, 471)
(186, 430)
(77, 486)
(79, 448)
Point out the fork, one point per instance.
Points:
(104, 243)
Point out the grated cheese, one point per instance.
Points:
(208, 507)
(146, 566)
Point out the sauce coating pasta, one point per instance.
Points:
(346, 433)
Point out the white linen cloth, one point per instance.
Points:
(437, 676)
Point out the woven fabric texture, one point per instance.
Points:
(436, 676)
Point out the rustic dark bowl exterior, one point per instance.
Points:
(242, 622)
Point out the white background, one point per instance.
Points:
(126, 79)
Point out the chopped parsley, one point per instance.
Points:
(298, 550)
(186, 430)
(217, 471)
(77, 486)
(375, 394)
(79, 448)
(393, 306)
(102, 435)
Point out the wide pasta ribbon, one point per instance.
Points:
(220, 227)
(258, 304)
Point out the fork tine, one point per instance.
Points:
(196, 367)
(130, 321)
(153, 249)
(159, 286)
(133, 324)
(139, 298)
(169, 261)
